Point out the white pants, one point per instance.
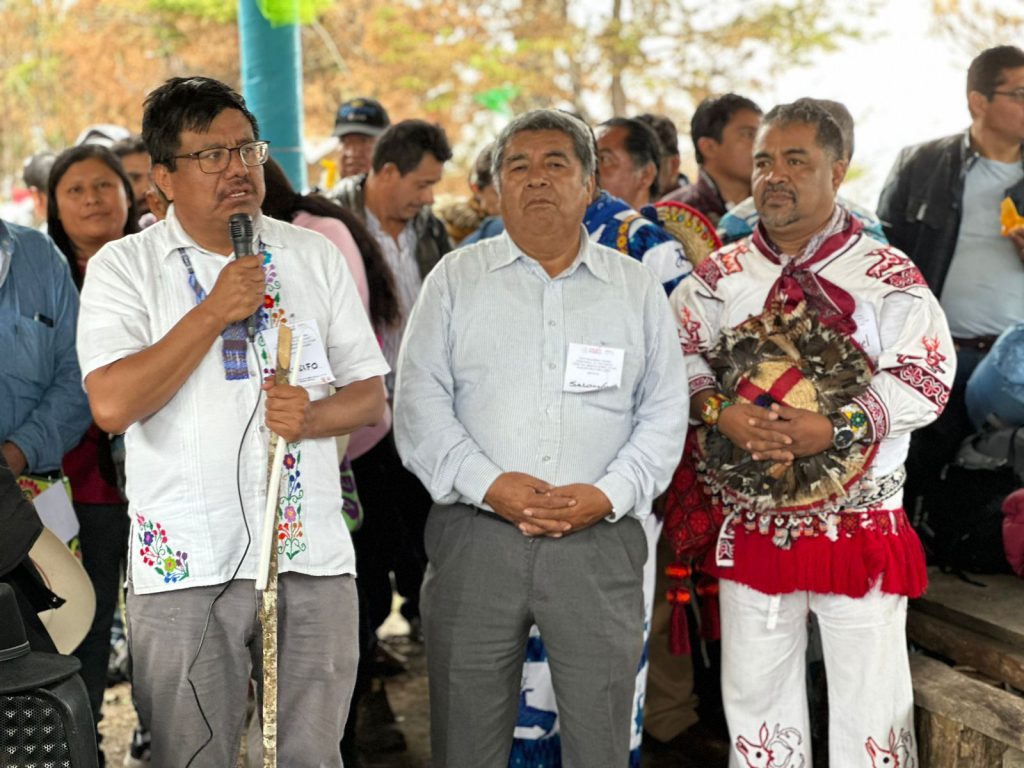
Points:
(870, 696)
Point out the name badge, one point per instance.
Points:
(589, 369)
(867, 329)
(314, 368)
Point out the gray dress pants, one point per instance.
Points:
(486, 584)
(318, 649)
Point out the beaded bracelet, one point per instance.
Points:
(712, 408)
(858, 421)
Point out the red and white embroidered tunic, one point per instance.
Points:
(884, 303)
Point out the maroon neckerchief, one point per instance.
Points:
(799, 283)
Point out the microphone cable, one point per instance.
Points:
(230, 581)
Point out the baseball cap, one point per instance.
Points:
(104, 134)
(365, 116)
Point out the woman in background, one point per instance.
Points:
(90, 203)
(376, 536)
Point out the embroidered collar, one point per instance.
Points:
(265, 230)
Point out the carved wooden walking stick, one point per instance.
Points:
(266, 578)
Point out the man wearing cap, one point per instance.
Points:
(357, 125)
(812, 463)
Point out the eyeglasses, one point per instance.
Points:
(1017, 94)
(216, 159)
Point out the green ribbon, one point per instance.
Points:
(283, 12)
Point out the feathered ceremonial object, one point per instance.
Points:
(691, 228)
(791, 358)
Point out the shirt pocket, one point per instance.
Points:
(32, 342)
(613, 331)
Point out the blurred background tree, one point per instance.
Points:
(467, 64)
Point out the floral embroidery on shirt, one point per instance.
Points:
(289, 527)
(155, 552)
(272, 312)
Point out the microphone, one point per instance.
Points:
(240, 227)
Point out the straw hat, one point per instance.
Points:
(691, 228)
(791, 359)
(64, 575)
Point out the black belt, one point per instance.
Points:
(980, 343)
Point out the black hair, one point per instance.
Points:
(481, 175)
(986, 72)
(186, 104)
(666, 130)
(642, 145)
(405, 144)
(36, 170)
(54, 225)
(283, 202)
(713, 114)
(133, 145)
(827, 134)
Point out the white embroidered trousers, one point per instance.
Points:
(870, 696)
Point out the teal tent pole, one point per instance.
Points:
(272, 85)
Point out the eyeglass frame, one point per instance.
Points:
(1017, 94)
(196, 155)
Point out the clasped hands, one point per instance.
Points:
(779, 433)
(538, 508)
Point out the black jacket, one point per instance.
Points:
(920, 205)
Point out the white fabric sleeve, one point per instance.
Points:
(916, 367)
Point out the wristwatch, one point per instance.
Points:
(842, 433)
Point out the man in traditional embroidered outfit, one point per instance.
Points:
(535, 400)
(848, 554)
(164, 352)
(740, 220)
(722, 129)
(941, 204)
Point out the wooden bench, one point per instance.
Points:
(964, 721)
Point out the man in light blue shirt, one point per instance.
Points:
(43, 409)
(539, 400)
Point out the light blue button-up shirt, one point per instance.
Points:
(43, 408)
(482, 368)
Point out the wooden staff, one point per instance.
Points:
(266, 575)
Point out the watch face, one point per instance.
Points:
(842, 437)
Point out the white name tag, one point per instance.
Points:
(588, 369)
(56, 513)
(314, 368)
(867, 329)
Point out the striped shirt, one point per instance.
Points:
(401, 258)
(482, 368)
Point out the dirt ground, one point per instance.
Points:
(406, 692)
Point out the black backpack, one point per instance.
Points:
(962, 526)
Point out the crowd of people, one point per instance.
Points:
(614, 435)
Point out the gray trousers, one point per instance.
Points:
(318, 649)
(486, 584)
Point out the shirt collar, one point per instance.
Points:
(377, 230)
(585, 256)
(264, 231)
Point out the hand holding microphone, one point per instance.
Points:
(238, 292)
